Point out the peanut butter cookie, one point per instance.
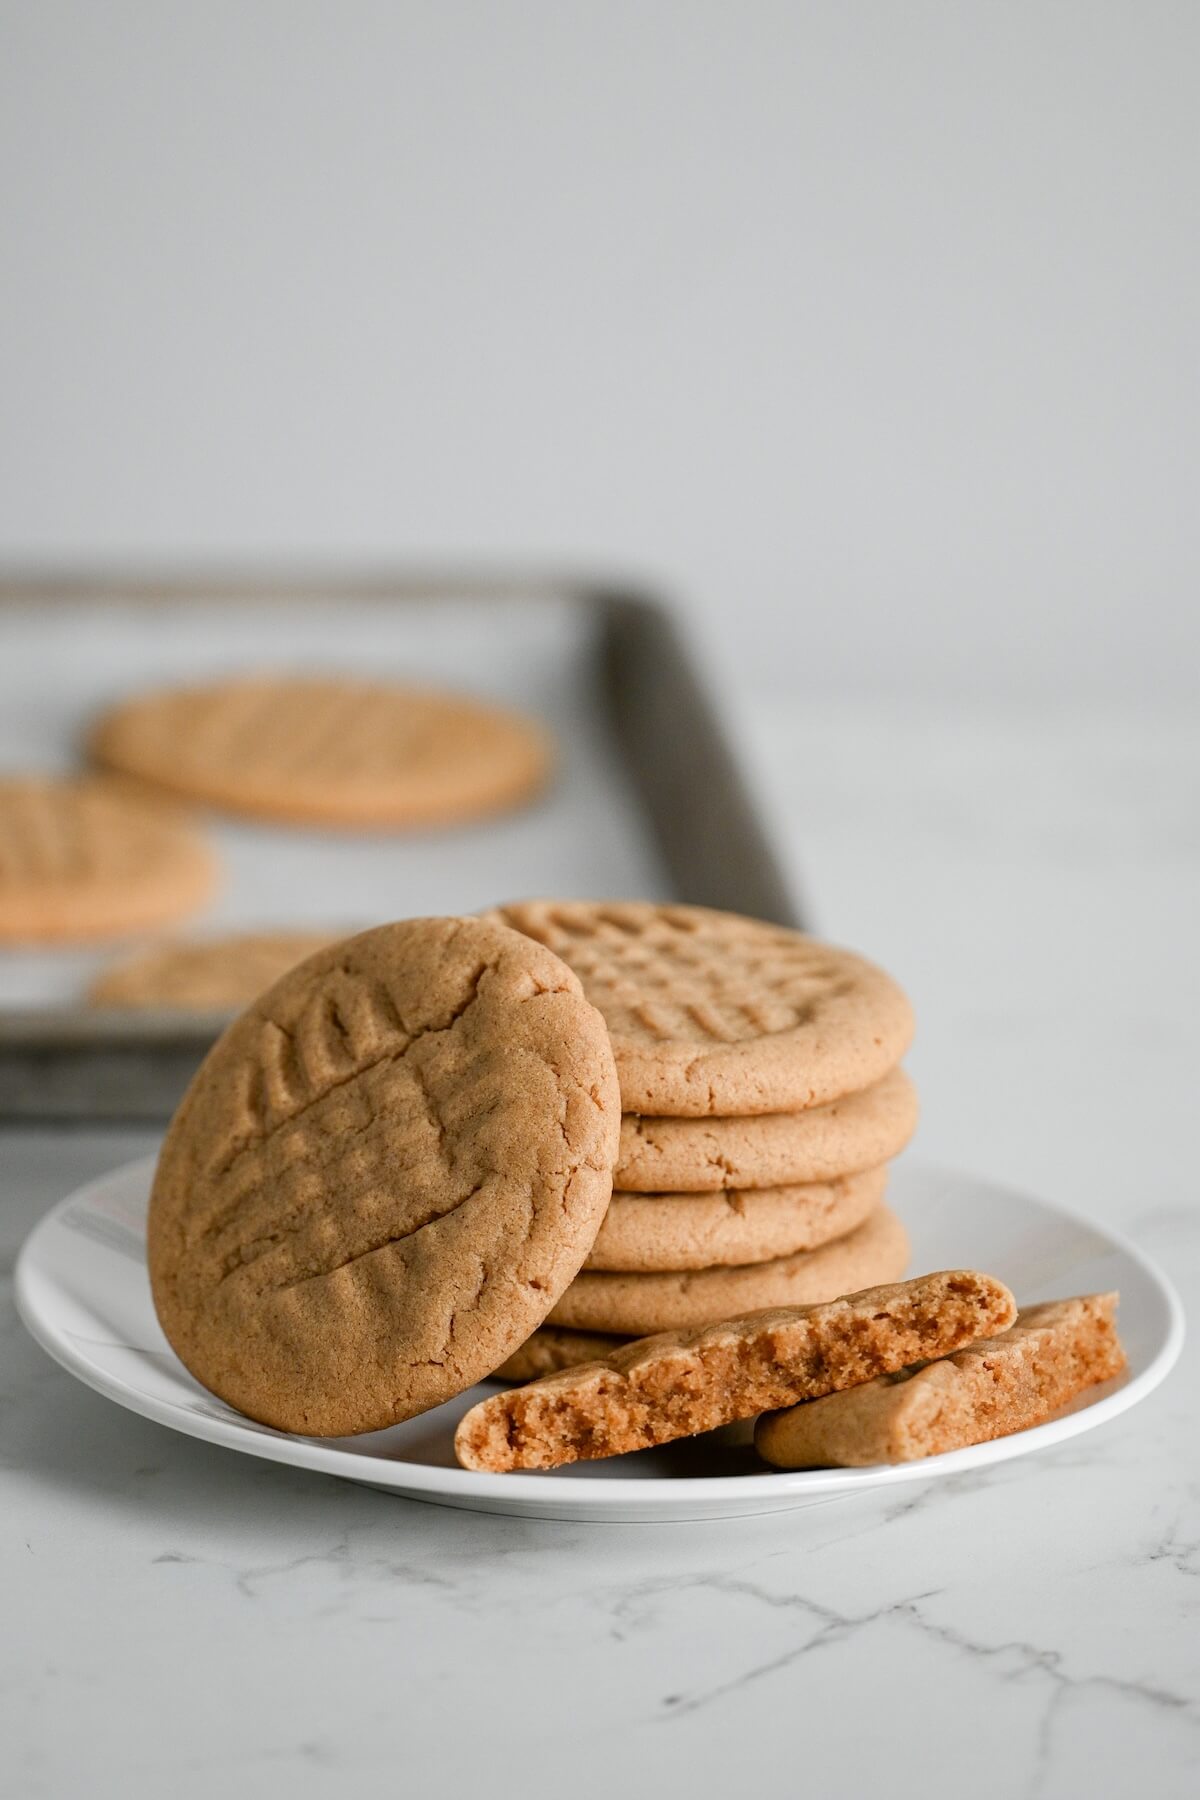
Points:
(335, 751)
(215, 974)
(699, 1155)
(642, 1233)
(633, 1305)
(83, 860)
(710, 1013)
(383, 1175)
(682, 1382)
(993, 1387)
(551, 1348)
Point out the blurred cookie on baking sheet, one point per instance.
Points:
(333, 751)
(83, 859)
(215, 974)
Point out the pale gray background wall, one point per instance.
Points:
(868, 326)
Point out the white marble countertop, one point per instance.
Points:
(181, 1620)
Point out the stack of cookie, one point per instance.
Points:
(393, 1173)
(762, 1100)
(397, 1164)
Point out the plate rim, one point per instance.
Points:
(544, 1491)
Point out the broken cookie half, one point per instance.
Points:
(987, 1390)
(682, 1382)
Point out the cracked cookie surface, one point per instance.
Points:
(383, 1176)
(714, 1014)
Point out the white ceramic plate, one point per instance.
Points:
(83, 1292)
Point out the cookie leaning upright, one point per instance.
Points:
(711, 1013)
(339, 752)
(82, 860)
(384, 1175)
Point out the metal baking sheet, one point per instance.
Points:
(647, 798)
